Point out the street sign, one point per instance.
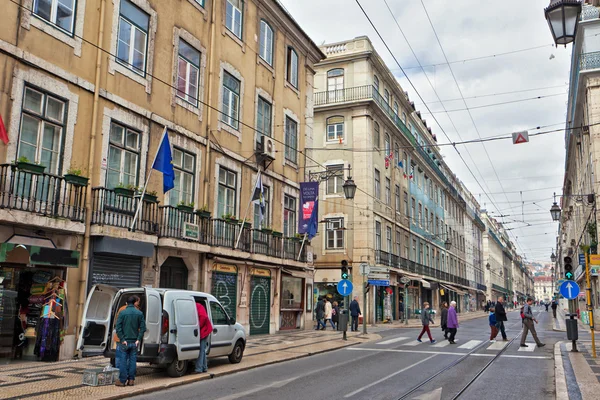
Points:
(377, 282)
(594, 259)
(191, 231)
(379, 269)
(582, 259)
(344, 287)
(405, 280)
(364, 269)
(520, 137)
(569, 290)
(378, 276)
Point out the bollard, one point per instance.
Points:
(572, 332)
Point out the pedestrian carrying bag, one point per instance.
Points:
(522, 313)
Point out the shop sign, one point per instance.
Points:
(230, 269)
(260, 272)
(191, 231)
(595, 259)
(243, 299)
(594, 271)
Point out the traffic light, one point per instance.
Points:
(344, 269)
(568, 268)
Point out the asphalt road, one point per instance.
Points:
(396, 364)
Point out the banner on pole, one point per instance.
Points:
(309, 192)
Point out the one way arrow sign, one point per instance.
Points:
(520, 137)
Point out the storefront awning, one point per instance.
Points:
(296, 274)
(454, 289)
(425, 284)
(36, 255)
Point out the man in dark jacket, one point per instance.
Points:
(320, 314)
(354, 313)
(554, 307)
(501, 317)
(130, 330)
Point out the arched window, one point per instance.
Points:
(388, 147)
(335, 129)
(386, 96)
(376, 82)
(396, 108)
(266, 42)
(335, 85)
(376, 135)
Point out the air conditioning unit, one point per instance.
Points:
(268, 147)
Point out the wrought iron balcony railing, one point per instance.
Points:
(112, 207)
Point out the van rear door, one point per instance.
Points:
(153, 312)
(95, 326)
(184, 328)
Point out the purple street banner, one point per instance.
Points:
(309, 191)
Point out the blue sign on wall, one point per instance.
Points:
(582, 259)
(376, 282)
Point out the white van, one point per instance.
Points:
(172, 337)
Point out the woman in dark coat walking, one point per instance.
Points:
(444, 321)
(335, 315)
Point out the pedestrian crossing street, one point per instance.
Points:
(406, 341)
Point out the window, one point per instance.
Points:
(430, 189)
(335, 129)
(388, 239)
(231, 100)
(396, 108)
(406, 243)
(420, 253)
(42, 127)
(289, 216)
(219, 316)
(291, 140)
(387, 145)
(388, 194)
(420, 214)
(201, 2)
(427, 255)
(437, 226)
(431, 222)
(336, 179)
(398, 246)
(227, 192)
(377, 185)
(267, 220)
(335, 85)
(377, 235)
(184, 166)
(133, 37)
(266, 42)
(406, 211)
(404, 117)
(426, 219)
(58, 12)
(123, 156)
(335, 233)
(412, 214)
(376, 83)
(292, 67)
(264, 112)
(397, 199)
(414, 250)
(188, 72)
(386, 96)
(376, 142)
(396, 154)
(234, 16)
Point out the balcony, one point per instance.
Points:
(113, 208)
(589, 61)
(44, 194)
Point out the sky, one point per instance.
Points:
(517, 181)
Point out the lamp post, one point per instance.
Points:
(349, 186)
(563, 18)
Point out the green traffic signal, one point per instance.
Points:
(569, 275)
(344, 269)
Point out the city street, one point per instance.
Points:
(394, 365)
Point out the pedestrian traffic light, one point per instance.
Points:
(344, 269)
(568, 268)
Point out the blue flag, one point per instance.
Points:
(313, 222)
(164, 163)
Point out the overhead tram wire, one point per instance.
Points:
(495, 94)
(499, 104)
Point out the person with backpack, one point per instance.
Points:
(501, 317)
(528, 320)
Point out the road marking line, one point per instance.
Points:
(443, 343)
(497, 345)
(415, 343)
(530, 357)
(394, 340)
(388, 377)
(470, 344)
(528, 349)
(448, 353)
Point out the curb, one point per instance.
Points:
(560, 380)
(219, 374)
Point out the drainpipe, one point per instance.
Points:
(85, 260)
(209, 81)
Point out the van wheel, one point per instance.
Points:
(177, 368)
(238, 351)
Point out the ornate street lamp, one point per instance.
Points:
(563, 18)
(349, 188)
(553, 258)
(555, 210)
(448, 243)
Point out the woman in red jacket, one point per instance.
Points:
(205, 330)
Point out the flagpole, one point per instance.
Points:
(139, 206)
(301, 247)
(237, 242)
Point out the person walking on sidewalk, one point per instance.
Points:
(501, 317)
(335, 315)
(554, 307)
(546, 305)
(493, 327)
(354, 313)
(444, 319)
(130, 330)
(320, 314)
(328, 313)
(205, 331)
(425, 320)
(528, 325)
(452, 322)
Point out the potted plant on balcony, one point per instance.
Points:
(230, 218)
(186, 207)
(277, 234)
(246, 224)
(267, 229)
(203, 212)
(125, 190)
(298, 237)
(151, 196)
(24, 164)
(74, 177)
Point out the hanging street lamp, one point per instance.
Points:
(563, 18)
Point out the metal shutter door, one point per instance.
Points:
(260, 305)
(116, 270)
(224, 288)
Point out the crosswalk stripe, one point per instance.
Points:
(393, 340)
(470, 344)
(441, 343)
(413, 343)
(497, 346)
(528, 349)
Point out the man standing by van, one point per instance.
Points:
(130, 330)
(118, 355)
(205, 331)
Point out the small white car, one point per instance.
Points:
(172, 337)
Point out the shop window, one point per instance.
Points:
(291, 290)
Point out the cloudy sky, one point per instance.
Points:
(519, 179)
